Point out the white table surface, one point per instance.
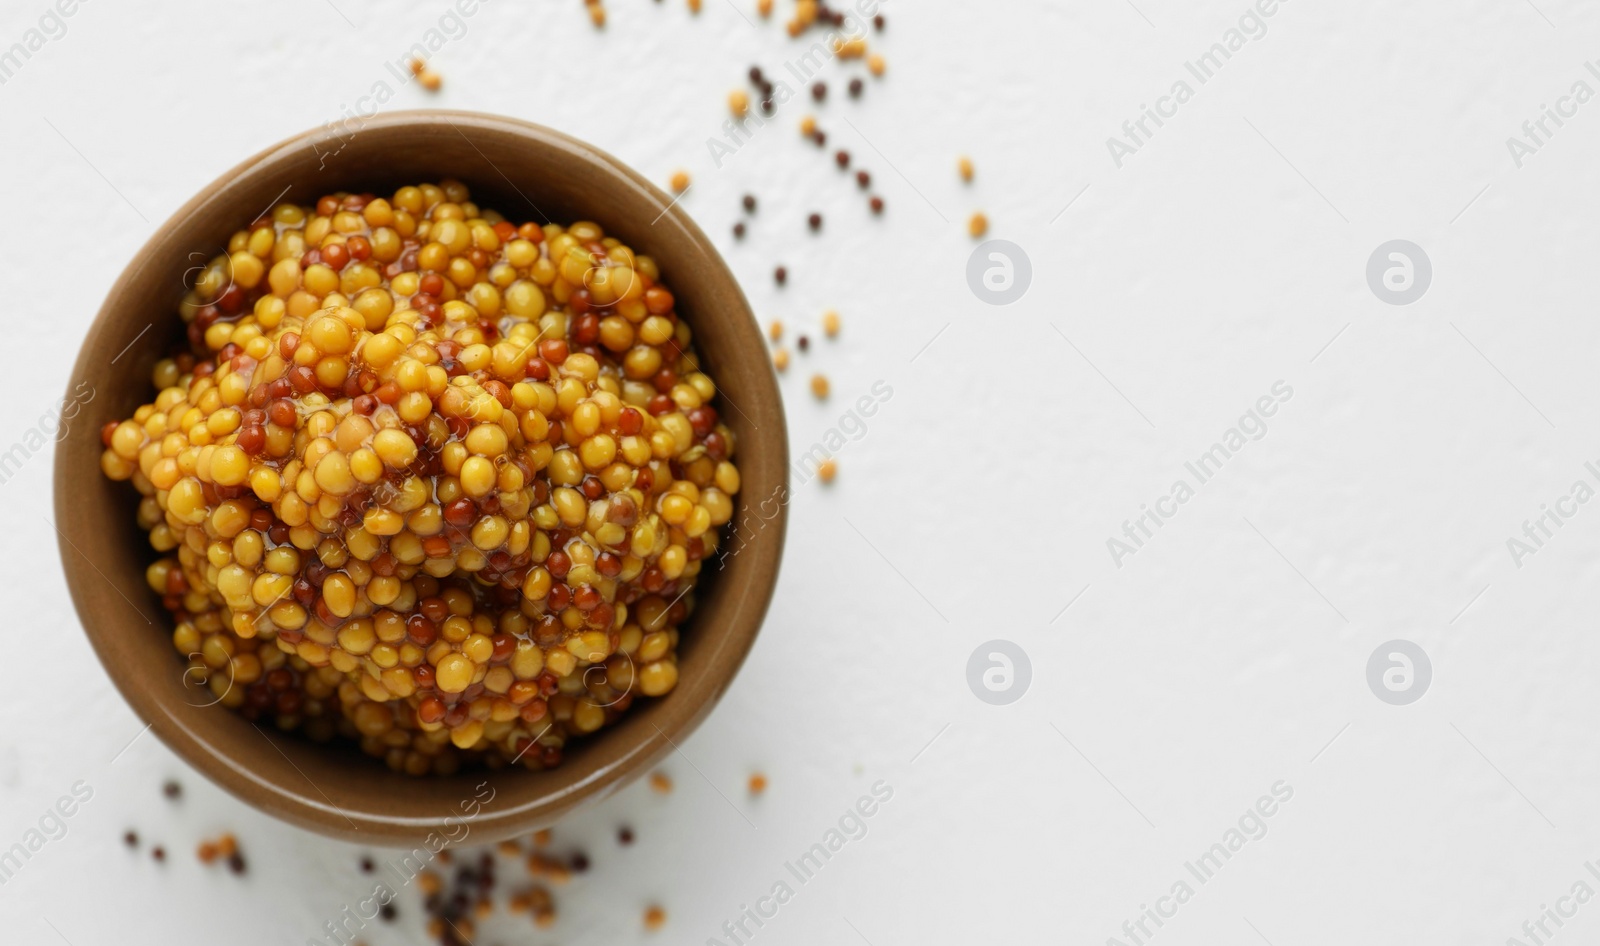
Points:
(1227, 654)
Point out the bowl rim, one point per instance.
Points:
(224, 764)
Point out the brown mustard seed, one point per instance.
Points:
(830, 323)
(819, 386)
(738, 103)
(876, 204)
(780, 359)
(842, 158)
(781, 274)
(828, 469)
(814, 221)
(877, 22)
(738, 231)
(758, 782)
(236, 863)
(660, 783)
(131, 839)
(863, 180)
(159, 853)
(819, 138)
(654, 918)
(679, 181)
(978, 225)
(756, 77)
(749, 202)
(965, 169)
(819, 91)
(624, 835)
(172, 789)
(803, 342)
(856, 85)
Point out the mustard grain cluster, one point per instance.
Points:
(429, 480)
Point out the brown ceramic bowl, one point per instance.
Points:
(526, 172)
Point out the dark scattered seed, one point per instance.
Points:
(755, 75)
(172, 789)
(130, 839)
(819, 91)
(855, 88)
(386, 913)
(766, 106)
(820, 137)
(803, 342)
(580, 862)
(236, 862)
(864, 179)
(750, 203)
(877, 22)
(159, 853)
(842, 158)
(877, 205)
(815, 220)
(766, 88)
(625, 835)
(366, 865)
(781, 274)
(738, 230)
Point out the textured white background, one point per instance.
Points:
(1223, 257)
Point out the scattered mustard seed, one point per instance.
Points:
(738, 103)
(780, 359)
(819, 386)
(808, 126)
(758, 783)
(654, 918)
(680, 181)
(965, 167)
(430, 80)
(764, 7)
(875, 64)
(978, 225)
(660, 783)
(775, 330)
(830, 323)
(828, 469)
